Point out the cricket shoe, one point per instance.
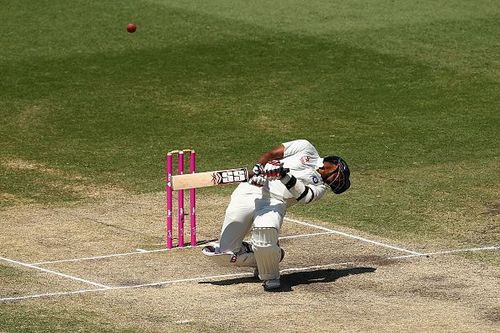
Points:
(212, 249)
(272, 285)
(246, 247)
(208, 250)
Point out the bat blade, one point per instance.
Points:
(209, 178)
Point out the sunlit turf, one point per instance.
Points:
(407, 93)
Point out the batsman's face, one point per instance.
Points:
(328, 171)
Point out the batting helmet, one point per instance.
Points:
(338, 180)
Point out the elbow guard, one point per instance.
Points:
(300, 191)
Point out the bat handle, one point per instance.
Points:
(251, 174)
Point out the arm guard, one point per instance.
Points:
(301, 192)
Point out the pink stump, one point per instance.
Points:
(192, 199)
(168, 169)
(180, 202)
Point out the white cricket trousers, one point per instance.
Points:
(249, 207)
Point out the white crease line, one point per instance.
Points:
(352, 236)
(236, 275)
(408, 256)
(327, 231)
(55, 273)
(200, 278)
(96, 257)
(138, 251)
(307, 235)
(154, 284)
(474, 249)
(143, 251)
(67, 293)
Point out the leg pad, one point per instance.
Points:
(267, 252)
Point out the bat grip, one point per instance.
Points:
(251, 174)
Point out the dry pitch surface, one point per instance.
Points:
(108, 259)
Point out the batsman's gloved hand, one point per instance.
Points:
(258, 169)
(259, 180)
(274, 170)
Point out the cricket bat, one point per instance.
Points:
(210, 178)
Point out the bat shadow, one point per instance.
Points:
(300, 278)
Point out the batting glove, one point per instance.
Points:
(259, 180)
(274, 170)
(258, 169)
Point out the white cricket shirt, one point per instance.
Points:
(302, 158)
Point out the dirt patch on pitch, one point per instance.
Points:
(329, 281)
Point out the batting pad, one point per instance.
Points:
(267, 252)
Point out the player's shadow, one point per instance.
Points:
(297, 278)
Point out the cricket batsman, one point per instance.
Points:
(293, 172)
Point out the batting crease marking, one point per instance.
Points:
(143, 251)
(55, 273)
(311, 225)
(236, 275)
(366, 240)
(474, 249)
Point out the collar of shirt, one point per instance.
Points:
(319, 162)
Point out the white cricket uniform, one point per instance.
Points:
(266, 206)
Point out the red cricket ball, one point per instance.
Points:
(131, 27)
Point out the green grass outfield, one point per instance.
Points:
(407, 92)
